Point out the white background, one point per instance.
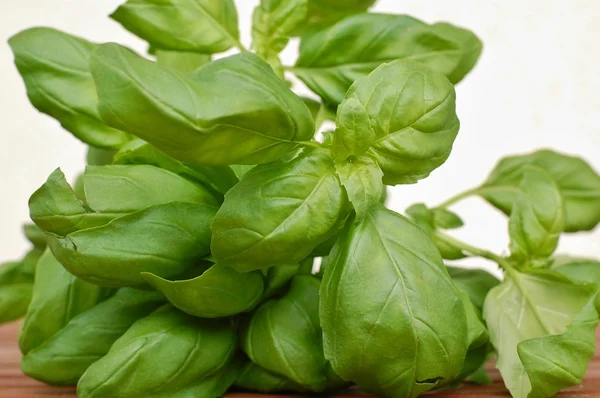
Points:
(536, 85)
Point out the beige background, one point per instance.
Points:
(537, 85)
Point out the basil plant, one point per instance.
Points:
(220, 239)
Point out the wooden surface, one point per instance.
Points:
(13, 384)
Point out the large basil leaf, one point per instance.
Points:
(385, 282)
(231, 111)
(283, 335)
(110, 192)
(579, 185)
(216, 178)
(370, 40)
(205, 26)
(279, 213)
(255, 378)
(63, 358)
(218, 291)
(542, 327)
(178, 351)
(55, 68)
(273, 23)
(58, 296)
(537, 218)
(475, 282)
(165, 240)
(182, 60)
(411, 111)
(362, 179)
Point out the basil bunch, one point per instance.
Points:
(183, 260)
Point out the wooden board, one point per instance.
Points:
(13, 384)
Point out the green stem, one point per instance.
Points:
(457, 198)
(241, 47)
(476, 251)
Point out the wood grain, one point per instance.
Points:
(13, 384)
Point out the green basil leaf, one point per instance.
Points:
(54, 66)
(273, 23)
(537, 218)
(277, 277)
(177, 350)
(478, 338)
(475, 282)
(371, 40)
(63, 358)
(196, 117)
(219, 179)
(324, 13)
(287, 328)
(35, 235)
(58, 297)
(99, 156)
(14, 300)
(385, 282)
(187, 62)
(362, 179)
(579, 185)
(480, 376)
(278, 213)
(354, 134)
(205, 26)
(540, 327)
(218, 292)
(579, 270)
(111, 192)
(255, 378)
(164, 240)
(241, 169)
(431, 220)
(412, 112)
(306, 266)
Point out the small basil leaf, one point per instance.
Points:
(362, 179)
(354, 134)
(273, 22)
(164, 240)
(371, 40)
(537, 218)
(205, 26)
(58, 296)
(187, 62)
(63, 358)
(412, 112)
(540, 324)
(579, 271)
(218, 292)
(279, 213)
(306, 266)
(216, 178)
(578, 183)
(255, 378)
(35, 235)
(177, 350)
(14, 300)
(369, 298)
(475, 282)
(231, 111)
(445, 219)
(54, 66)
(266, 337)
